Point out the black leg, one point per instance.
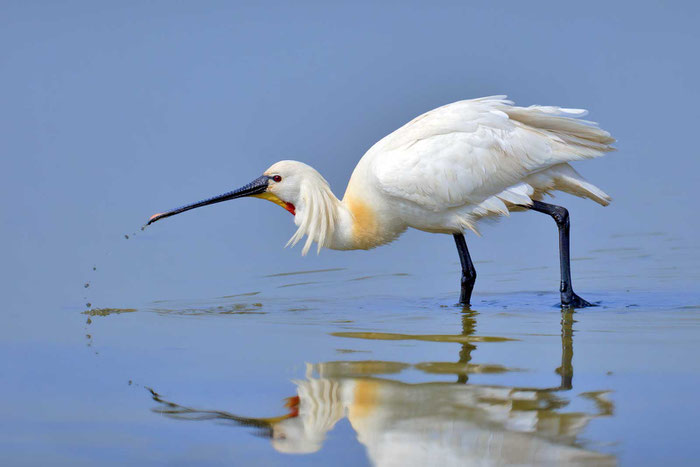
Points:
(561, 216)
(468, 271)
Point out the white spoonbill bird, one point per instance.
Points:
(442, 172)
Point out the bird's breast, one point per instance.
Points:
(372, 224)
(365, 227)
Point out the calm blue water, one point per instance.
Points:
(384, 375)
(201, 341)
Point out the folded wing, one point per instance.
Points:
(488, 153)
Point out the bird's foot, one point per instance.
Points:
(574, 301)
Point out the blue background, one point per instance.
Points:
(113, 111)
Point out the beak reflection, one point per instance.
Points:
(256, 187)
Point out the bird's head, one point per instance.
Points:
(283, 184)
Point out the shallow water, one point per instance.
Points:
(293, 374)
(202, 341)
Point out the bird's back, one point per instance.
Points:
(451, 166)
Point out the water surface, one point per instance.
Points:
(202, 341)
(284, 378)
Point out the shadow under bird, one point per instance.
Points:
(443, 172)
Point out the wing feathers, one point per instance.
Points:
(481, 152)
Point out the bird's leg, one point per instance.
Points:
(468, 271)
(561, 216)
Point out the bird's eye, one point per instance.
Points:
(277, 178)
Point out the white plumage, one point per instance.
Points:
(442, 172)
(483, 157)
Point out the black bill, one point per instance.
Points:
(257, 186)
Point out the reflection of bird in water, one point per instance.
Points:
(429, 423)
(443, 172)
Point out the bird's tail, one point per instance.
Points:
(579, 139)
(563, 177)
